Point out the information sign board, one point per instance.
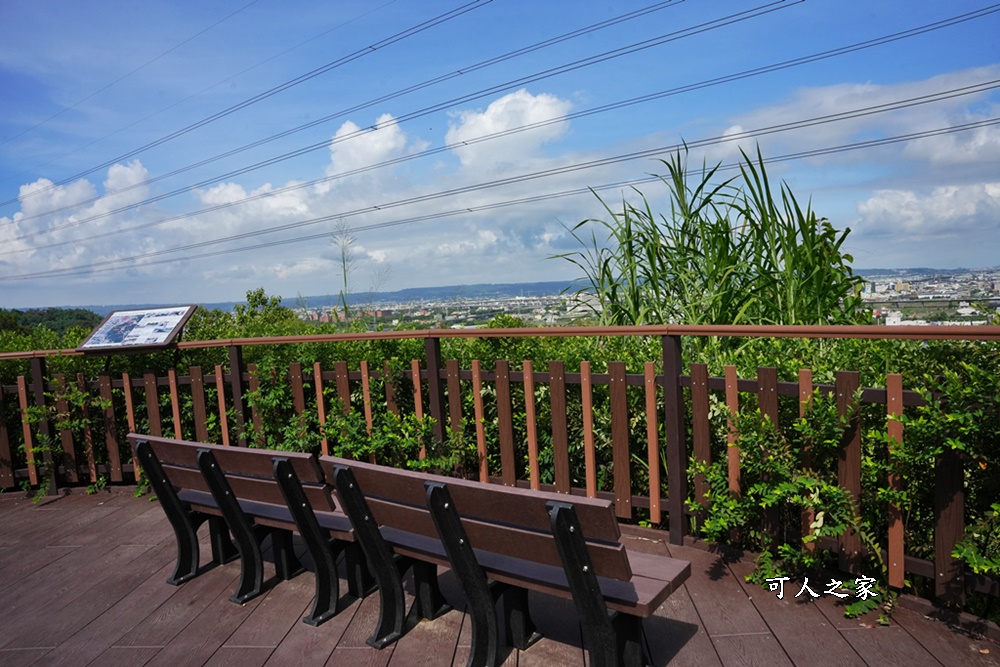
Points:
(134, 330)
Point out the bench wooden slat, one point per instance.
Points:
(267, 491)
(236, 460)
(640, 596)
(488, 502)
(261, 490)
(609, 560)
(183, 477)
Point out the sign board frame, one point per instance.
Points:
(137, 330)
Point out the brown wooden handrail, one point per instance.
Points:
(443, 381)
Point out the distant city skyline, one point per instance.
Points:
(177, 152)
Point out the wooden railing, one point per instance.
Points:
(439, 385)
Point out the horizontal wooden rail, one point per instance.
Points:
(649, 423)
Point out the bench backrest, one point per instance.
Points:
(504, 520)
(249, 472)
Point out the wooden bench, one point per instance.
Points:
(257, 493)
(502, 542)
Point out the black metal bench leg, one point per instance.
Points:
(485, 649)
(519, 630)
(179, 517)
(286, 563)
(628, 629)
(430, 602)
(360, 581)
(251, 560)
(223, 549)
(384, 566)
(605, 636)
(187, 554)
(317, 542)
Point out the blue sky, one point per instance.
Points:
(189, 152)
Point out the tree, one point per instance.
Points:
(727, 253)
(344, 241)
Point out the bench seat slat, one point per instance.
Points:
(640, 596)
(488, 502)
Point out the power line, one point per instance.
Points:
(206, 89)
(783, 127)
(842, 148)
(485, 92)
(766, 69)
(130, 73)
(343, 60)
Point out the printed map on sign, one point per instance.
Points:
(138, 328)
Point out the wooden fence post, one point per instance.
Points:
(152, 404)
(849, 464)
(110, 429)
(432, 349)
(700, 427)
(560, 436)
(894, 409)
(6, 460)
(239, 400)
(767, 400)
(949, 523)
(621, 456)
(44, 428)
(673, 424)
(505, 423)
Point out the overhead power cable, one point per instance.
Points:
(343, 60)
(207, 88)
(842, 148)
(425, 111)
(757, 71)
(783, 127)
(130, 73)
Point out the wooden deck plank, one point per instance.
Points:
(240, 656)
(20, 561)
(947, 646)
(125, 656)
(888, 646)
(19, 657)
(721, 603)
(280, 609)
(34, 522)
(430, 643)
(304, 645)
(107, 628)
(353, 656)
(176, 613)
(786, 618)
(752, 649)
(37, 627)
(674, 634)
(206, 633)
(100, 603)
(59, 585)
(362, 624)
(118, 512)
(561, 642)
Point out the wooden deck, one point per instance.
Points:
(82, 583)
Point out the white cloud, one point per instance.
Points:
(826, 102)
(508, 112)
(384, 141)
(945, 211)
